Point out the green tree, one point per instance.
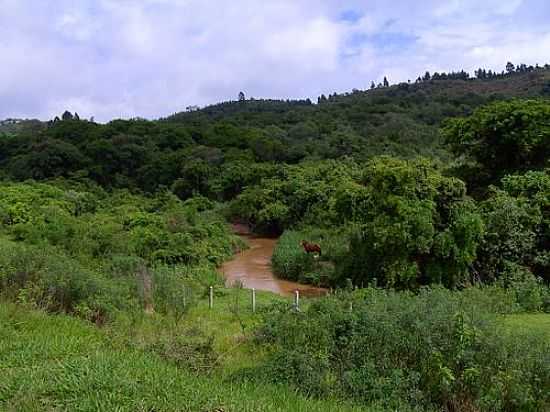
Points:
(532, 189)
(46, 159)
(67, 115)
(414, 226)
(503, 138)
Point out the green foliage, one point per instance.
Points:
(533, 188)
(415, 226)
(81, 252)
(302, 193)
(510, 237)
(45, 279)
(438, 349)
(504, 137)
(290, 261)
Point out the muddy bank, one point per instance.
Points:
(252, 267)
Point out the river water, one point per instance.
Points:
(252, 267)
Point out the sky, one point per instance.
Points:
(151, 58)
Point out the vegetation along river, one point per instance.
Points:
(252, 267)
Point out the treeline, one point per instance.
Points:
(484, 74)
(192, 152)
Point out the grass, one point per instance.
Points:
(528, 324)
(55, 363)
(228, 323)
(58, 363)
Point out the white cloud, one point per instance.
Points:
(122, 58)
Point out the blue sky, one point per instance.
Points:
(150, 58)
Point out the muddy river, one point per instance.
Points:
(252, 267)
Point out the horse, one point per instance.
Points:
(311, 247)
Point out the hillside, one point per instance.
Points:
(422, 209)
(398, 120)
(401, 120)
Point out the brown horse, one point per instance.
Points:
(311, 247)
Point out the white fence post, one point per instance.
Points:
(211, 297)
(253, 300)
(184, 297)
(297, 300)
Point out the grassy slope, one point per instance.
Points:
(228, 329)
(61, 363)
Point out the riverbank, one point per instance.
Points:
(252, 267)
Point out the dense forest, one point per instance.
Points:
(430, 201)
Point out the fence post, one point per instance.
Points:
(147, 289)
(253, 300)
(297, 300)
(211, 297)
(184, 297)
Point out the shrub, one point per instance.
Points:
(43, 278)
(438, 349)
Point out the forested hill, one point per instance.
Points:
(401, 120)
(428, 100)
(193, 147)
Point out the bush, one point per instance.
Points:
(46, 279)
(438, 349)
(289, 259)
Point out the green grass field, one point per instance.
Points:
(528, 323)
(57, 363)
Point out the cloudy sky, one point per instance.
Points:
(150, 58)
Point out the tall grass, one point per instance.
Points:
(61, 363)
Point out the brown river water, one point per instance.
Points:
(252, 267)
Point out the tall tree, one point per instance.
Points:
(67, 115)
(503, 138)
